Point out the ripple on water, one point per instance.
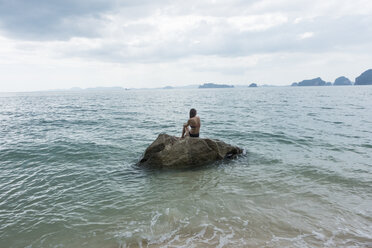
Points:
(68, 176)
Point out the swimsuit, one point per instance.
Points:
(194, 135)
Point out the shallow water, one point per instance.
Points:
(68, 176)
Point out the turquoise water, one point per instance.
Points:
(68, 176)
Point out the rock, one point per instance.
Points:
(365, 78)
(342, 81)
(294, 84)
(173, 152)
(253, 85)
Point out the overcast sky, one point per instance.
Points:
(50, 44)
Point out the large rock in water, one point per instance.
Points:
(173, 152)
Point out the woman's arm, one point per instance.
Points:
(187, 123)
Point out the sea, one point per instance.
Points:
(68, 173)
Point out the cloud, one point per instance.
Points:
(206, 36)
(52, 19)
(306, 35)
(162, 38)
(61, 20)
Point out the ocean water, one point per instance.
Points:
(68, 175)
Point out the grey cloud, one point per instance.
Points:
(59, 20)
(329, 35)
(56, 20)
(53, 19)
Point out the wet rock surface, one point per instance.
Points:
(173, 152)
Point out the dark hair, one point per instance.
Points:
(192, 113)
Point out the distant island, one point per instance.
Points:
(311, 82)
(211, 85)
(342, 81)
(364, 79)
(93, 89)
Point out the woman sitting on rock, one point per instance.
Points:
(194, 123)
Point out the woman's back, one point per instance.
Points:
(195, 125)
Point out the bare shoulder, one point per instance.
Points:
(198, 119)
(195, 118)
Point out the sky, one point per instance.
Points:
(54, 44)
